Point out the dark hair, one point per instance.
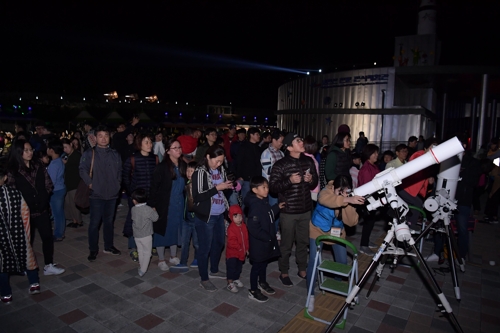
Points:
(16, 157)
(342, 182)
(368, 150)
(166, 160)
(139, 138)
(191, 165)
(66, 141)
(73, 138)
(276, 134)
(56, 146)
(325, 136)
(21, 133)
(389, 153)
(3, 171)
(429, 142)
(100, 128)
(213, 152)
(338, 140)
(241, 131)
(209, 130)
(265, 134)
(139, 195)
(412, 138)
(362, 133)
(253, 130)
(310, 145)
(401, 146)
(257, 181)
(219, 141)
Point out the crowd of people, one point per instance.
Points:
(255, 193)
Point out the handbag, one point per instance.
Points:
(82, 194)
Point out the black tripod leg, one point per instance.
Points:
(377, 275)
(439, 293)
(454, 244)
(451, 253)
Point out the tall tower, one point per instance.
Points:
(427, 15)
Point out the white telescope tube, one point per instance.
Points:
(449, 175)
(394, 176)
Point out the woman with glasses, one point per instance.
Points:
(167, 197)
(30, 177)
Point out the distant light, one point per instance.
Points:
(187, 103)
(119, 101)
(307, 73)
(266, 118)
(15, 106)
(166, 113)
(220, 116)
(61, 97)
(29, 108)
(230, 103)
(180, 114)
(20, 98)
(207, 115)
(156, 102)
(84, 98)
(374, 64)
(319, 71)
(175, 102)
(36, 97)
(141, 100)
(106, 101)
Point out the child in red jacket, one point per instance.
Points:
(237, 248)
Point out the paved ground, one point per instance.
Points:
(108, 296)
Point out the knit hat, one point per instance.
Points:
(344, 129)
(287, 141)
(234, 209)
(188, 144)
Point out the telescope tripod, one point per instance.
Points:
(399, 230)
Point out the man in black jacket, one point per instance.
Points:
(293, 177)
(120, 143)
(248, 160)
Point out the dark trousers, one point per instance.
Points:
(6, 290)
(42, 223)
(294, 229)
(101, 211)
(257, 274)
(462, 218)
(491, 209)
(211, 242)
(368, 223)
(233, 267)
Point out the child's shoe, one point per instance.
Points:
(265, 287)
(179, 268)
(232, 287)
(174, 261)
(163, 266)
(257, 296)
(34, 289)
(238, 283)
(194, 264)
(310, 306)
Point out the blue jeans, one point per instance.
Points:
(188, 230)
(463, 234)
(6, 290)
(245, 188)
(211, 243)
(339, 254)
(273, 201)
(57, 206)
(101, 211)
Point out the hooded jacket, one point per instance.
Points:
(261, 228)
(203, 191)
(237, 236)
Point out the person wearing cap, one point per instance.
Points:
(294, 177)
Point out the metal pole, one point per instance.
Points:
(493, 118)
(473, 123)
(482, 115)
(382, 127)
(444, 114)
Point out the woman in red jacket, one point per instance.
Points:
(237, 248)
(367, 172)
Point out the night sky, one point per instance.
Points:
(195, 53)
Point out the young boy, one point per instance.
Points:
(262, 236)
(237, 248)
(143, 217)
(16, 256)
(188, 228)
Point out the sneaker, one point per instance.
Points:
(310, 307)
(141, 273)
(174, 261)
(179, 268)
(266, 288)
(257, 296)
(194, 264)
(6, 299)
(372, 245)
(34, 289)
(218, 275)
(134, 255)
(366, 250)
(232, 287)
(286, 281)
(51, 269)
(112, 250)
(163, 266)
(432, 257)
(92, 256)
(208, 286)
(238, 283)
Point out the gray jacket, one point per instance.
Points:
(143, 217)
(106, 174)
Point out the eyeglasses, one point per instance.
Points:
(176, 148)
(28, 150)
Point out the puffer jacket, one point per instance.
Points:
(338, 162)
(297, 197)
(141, 173)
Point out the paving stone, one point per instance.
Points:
(399, 312)
(149, 321)
(73, 316)
(225, 309)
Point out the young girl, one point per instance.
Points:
(209, 180)
(331, 213)
(143, 217)
(262, 236)
(237, 248)
(167, 186)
